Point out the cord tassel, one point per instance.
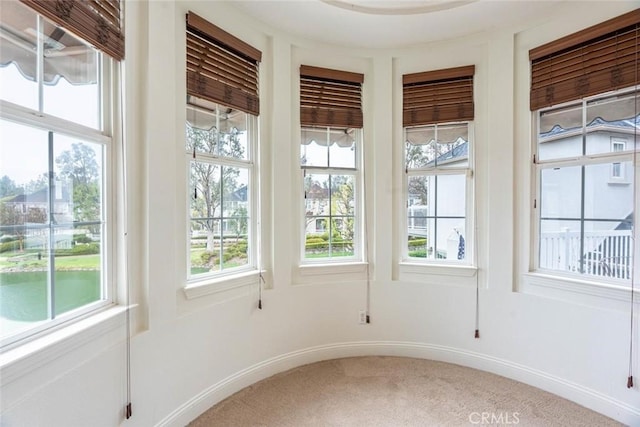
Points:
(630, 381)
(128, 411)
(477, 334)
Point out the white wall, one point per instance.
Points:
(188, 354)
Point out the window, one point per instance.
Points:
(221, 150)
(585, 223)
(617, 169)
(438, 163)
(584, 121)
(56, 212)
(330, 159)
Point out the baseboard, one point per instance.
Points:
(592, 399)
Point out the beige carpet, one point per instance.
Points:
(394, 391)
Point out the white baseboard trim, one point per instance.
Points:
(592, 399)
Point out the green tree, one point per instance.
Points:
(210, 181)
(240, 222)
(14, 222)
(8, 187)
(79, 167)
(343, 204)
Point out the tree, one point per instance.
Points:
(8, 187)
(210, 181)
(14, 221)
(342, 198)
(240, 222)
(79, 167)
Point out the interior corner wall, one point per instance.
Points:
(193, 353)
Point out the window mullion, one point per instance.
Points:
(51, 255)
(40, 63)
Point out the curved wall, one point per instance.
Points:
(191, 353)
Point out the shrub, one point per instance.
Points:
(422, 253)
(6, 239)
(11, 246)
(81, 238)
(81, 249)
(417, 242)
(205, 257)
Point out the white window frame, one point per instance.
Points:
(413, 265)
(225, 279)
(560, 281)
(619, 177)
(108, 72)
(308, 265)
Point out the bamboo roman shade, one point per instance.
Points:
(595, 60)
(438, 96)
(99, 22)
(220, 67)
(330, 97)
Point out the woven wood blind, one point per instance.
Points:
(595, 60)
(98, 22)
(438, 96)
(220, 67)
(330, 97)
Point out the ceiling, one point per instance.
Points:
(391, 24)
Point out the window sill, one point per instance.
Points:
(330, 273)
(577, 290)
(437, 273)
(221, 284)
(337, 268)
(438, 269)
(26, 358)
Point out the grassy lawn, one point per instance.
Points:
(326, 254)
(31, 262)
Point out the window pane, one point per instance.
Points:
(342, 195)
(216, 129)
(78, 184)
(421, 194)
(24, 270)
(451, 240)
(77, 267)
(233, 133)
(420, 147)
(313, 148)
(608, 118)
(607, 199)
(421, 236)
(561, 192)
(18, 46)
(560, 245)
(608, 249)
(205, 246)
(205, 191)
(560, 133)
(23, 159)
(316, 188)
(342, 150)
(71, 84)
(235, 223)
(451, 195)
(316, 236)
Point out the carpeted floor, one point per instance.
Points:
(394, 391)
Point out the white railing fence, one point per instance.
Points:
(605, 253)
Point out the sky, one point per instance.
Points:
(23, 150)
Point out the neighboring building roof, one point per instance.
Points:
(40, 196)
(623, 125)
(240, 195)
(458, 152)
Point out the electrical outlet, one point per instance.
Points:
(362, 317)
